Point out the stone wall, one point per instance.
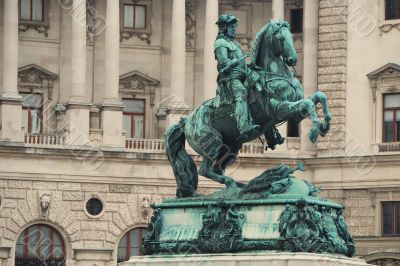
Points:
(123, 211)
(363, 216)
(332, 52)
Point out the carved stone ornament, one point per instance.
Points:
(145, 208)
(44, 201)
(33, 78)
(190, 24)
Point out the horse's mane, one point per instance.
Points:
(257, 42)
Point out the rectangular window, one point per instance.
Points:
(392, 9)
(134, 16)
(31, 10)
(391, 118)
(293, 129)
(296, 20)
(134, 115)
(391, 218)
(32, 112)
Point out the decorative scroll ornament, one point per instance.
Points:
(385, 28)
(42, 29)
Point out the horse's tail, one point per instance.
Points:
(184, 168)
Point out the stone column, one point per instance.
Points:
(210, 64)
(176, 103)
(78, 104)
(278, 9)
(11, 108)
(111, 115)
(310, 50)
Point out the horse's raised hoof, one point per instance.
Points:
(324, 128)
(313, 134)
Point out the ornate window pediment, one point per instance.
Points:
(33, 78)
(136, 82)
(384, 84)
(387, 71)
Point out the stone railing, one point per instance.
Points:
(44, 140)
(252, 150)
(145, 145)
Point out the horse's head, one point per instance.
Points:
(280, 41)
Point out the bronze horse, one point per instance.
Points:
(275, 96)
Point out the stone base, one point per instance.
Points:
(245, 259)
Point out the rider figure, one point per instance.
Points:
(232, 71)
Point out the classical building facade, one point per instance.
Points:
(89, 87)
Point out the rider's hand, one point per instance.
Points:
(234, 62)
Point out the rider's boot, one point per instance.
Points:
(244, 121)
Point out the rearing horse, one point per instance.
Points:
(275, 95)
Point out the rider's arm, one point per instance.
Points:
(221, 54)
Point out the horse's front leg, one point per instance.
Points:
(320, 97)
(298, 111)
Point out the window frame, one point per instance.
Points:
(42, 26)
(128, 242)
(29, 128)
(134, 16)
(395, 221)
(143, 34)
(394, 110)
(386, 11)
(31, 11)
(26, 252)
(132, 115)
(291, 19)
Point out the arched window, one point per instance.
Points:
(131, 244)
(40, 244)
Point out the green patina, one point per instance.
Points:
(275, 210)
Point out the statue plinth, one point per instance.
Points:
(285, 215)
(251, 259)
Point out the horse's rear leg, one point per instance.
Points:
(207, 170)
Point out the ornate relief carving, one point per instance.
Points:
(386, 71)
(294, 3)
(33, 78)
(90, 20)
(45, 200)
(41, 27)
(190, 24)
(389, 147)
(145, 209)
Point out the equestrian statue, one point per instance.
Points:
(254, 95)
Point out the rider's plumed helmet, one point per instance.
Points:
(226, 19)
